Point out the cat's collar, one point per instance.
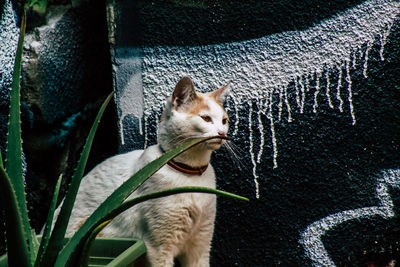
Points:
(185, 168)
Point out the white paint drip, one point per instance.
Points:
(236, 108)
(354, 62)
(261, 129)
(383, 40)
(289, 110)
(145, 131)
(328, 85)
(311, 238)
(280, 90)
(316, 93)
(303, 96)
(339, 85)
(140, 127)
(366, 60)
(251, 148)
(360, 54)
(121, 132)
(307, 83)
(296, 86)
(350, 96)
(270, 63)
(271, 119)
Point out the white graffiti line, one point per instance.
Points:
(268, 63)
(311, 238)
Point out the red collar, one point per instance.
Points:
(185, 168)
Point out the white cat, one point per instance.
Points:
(179, 226)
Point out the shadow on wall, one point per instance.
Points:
(188, 22)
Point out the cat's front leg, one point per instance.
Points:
(157, 257)
(196, 255)
(197, 249)
(194, 259)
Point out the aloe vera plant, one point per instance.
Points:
(22, 244)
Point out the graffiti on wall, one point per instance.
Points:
(311, 238)
(296, 66)
(307, 110)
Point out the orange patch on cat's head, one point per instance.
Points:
(198, 104)
(216, 99)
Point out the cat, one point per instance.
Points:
(179, 226)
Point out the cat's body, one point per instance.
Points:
(179, 226)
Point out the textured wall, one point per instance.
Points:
(314, 112)
(66, 75)
(8, 47)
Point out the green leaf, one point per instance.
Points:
(14, 163)
(88, 244)
(118, 196)
(47, 228)
(18, 252)
(178, 190)
(60, 227)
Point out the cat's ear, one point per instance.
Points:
(184, 92)
(221, 93)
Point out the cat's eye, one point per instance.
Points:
(224, 121)
(206, 118)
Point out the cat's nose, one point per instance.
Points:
(221, 133)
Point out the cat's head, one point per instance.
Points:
(189, 114)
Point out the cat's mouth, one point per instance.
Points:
(216, 142)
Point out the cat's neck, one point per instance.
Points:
(197, 156)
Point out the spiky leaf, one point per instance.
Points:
(46, 234)
(14, 162)
(57, 236)
(117, 197)
(18, 252)
(173, 191)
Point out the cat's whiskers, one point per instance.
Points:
(234, 151)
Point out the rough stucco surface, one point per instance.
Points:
(66, 74)
(314, 115)
(52, 53)
(8, 47)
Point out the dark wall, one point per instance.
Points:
(326, 166)
(330, 173)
